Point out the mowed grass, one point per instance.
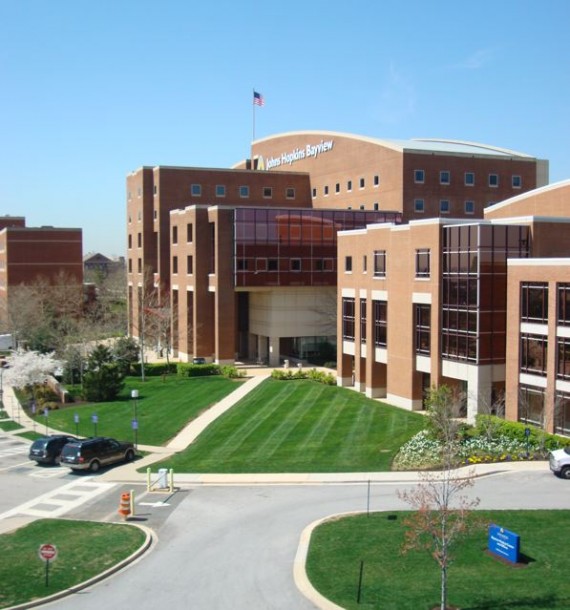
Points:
(476, 580)
(300, 426)
(164, 407)
(85, 549)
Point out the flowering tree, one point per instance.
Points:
(27, 368)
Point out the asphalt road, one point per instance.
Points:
(232, 548)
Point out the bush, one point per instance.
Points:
(44, 394)
(185, 369)
(159, 368)
(231, 372)
(318, 376)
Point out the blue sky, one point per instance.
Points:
(90, 91)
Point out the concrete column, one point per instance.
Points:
(479, 389)
(274, 351)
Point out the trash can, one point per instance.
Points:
(286, 364)
(162, 480)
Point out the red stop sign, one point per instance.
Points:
(47, 552)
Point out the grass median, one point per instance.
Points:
(300, 426)
(164, 407)
(476, 580)
(85, 549)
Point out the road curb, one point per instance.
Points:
(149, 542)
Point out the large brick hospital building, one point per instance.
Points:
(423, 247)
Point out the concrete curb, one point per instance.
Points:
(149, 541)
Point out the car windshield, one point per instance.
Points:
(40, 443)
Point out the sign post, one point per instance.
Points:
(47, 553)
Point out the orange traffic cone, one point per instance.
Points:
(125, 505)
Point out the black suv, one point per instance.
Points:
(47, 449)
(92, 453)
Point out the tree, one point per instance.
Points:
(443, 407)
(442, 508)
(126, 353)
(103, 379)
(28, 368)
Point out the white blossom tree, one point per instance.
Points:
(26, 368)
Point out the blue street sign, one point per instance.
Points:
(94, 418)
(135, 424)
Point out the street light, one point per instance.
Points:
(135, 422)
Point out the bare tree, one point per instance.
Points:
(442, 507)
(491, 412)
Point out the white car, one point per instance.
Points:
(560, 462)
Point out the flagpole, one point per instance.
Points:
(253, 104)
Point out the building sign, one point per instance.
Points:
(310, 151)
(503, 543)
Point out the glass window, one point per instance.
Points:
(326, 190)
(380, 263)
(363, 320)
(348, 263)
(196, 190)
(174, 264)
(361, 183)
(174, 234)
(444, 177)
(130, 265)
(422, 263)
(517, 182)
(419, 176)
(155, 190)
(531, 405)
(139, 265)
(295, 264)
(244, 192)
(337, 187)
(419, 205)
(139, 240)
(154, 214)
(267, 192)
(469, 207)
(562, 413)
(220, 190)
(189, 232)
(493, 180)
(423, 329)
(563, 358)
(364, 263)
(314, 193)
(469, 178)
(563, 304)
(349, 185)
(376, 180)
(348, 318)
(534, 302)
(380, 312)
(444, 206)
(290, 193)
(272, 264)
(534, 350)
(189, 265)
(261, 264)
(376, 206)
(130, 241)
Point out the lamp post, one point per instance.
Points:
(95, 421)
(135, 422)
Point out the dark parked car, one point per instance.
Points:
(92, 453)
(47, 449)
(198, 360)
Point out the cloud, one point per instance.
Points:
(397, 98)
(474, 61)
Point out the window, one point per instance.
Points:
(419, 176)
(348, 319)
(139, 265)
(534, 350)
(534, 302)
(139, 191)
(241, 264)
(562, 414)
(260, 264)
(337, 187)
(423, 329)
(376, 206)
(189, 233)
(419, 205)
(362, 207)
(493, 180)
(272, 264)
(130, 241)
(267, 192)
(349, 185)
(326, 190)
(380, 312)
(130, 265)
(444, 206)
(348, 264)
(155, 214)
(139, 240)
(376, 180)
(445, 177)
(155, 190)
(379, 263)
(244, 192)
(361, 183)
(290, 193)
(469, 178)
(295, 264)
(563, 316)
(174, 234)
(139, 216)
(470, 207)
(196, 190)
(314, 193)
(189, 264)
(362, 320)
(531, 405)
(517, 182)
(563, 358)
(174, 264)
(220, 190)
(422, 263)
(364, 263)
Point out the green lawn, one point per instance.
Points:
(9, 425)
(300, 426)
(85, 549)
(164, 407)
(476, 581)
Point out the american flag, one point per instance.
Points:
(258, 99)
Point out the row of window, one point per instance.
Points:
(534, 355)
(220, 191)
(468, 178)
(422, 321)
(534, 303)
(445, 206)
(422, 258)
(337, 186)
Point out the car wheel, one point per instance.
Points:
(565, 472)
(94, 466)
(130, 455)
